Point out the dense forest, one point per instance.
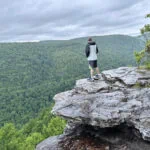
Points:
(32, 73)
(30, 134)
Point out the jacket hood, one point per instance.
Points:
(91, 43)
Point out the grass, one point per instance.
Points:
(138, 85)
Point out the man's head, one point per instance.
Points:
(89, 39)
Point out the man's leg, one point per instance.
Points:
(97, 70)
(91, 72)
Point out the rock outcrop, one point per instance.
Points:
(119, 100)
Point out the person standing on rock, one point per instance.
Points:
(91, 52)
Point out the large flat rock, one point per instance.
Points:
(91, 87)
(109, 101)
(128, 75)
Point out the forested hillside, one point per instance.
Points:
(32, 73)
(31, 133)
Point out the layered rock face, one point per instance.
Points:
(117, 106)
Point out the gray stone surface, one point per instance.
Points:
(108, 102)
(91, 87)
(127, 75)
(120, 97)
(50, 143)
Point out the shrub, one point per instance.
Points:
(139, 57)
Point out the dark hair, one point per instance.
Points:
(89, 39)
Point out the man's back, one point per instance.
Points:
(92, 53)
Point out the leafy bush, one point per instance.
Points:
(148, 46)
(139, 57)
(147, 49)
(147, 65)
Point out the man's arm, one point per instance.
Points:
(96, 49)
(87, 50)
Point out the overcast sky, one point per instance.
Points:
(29, 20)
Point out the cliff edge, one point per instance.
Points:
(115, 106)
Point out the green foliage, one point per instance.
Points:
(32, 140)
(146, 28)
(32, 133)
(139, 56)
(146, 52)
(55, 127)
(148, 46)
(144, 56)
(147, 49)
(147, 65)
(148, 16)
(6, 134)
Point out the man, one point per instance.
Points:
(91, 52)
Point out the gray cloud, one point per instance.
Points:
(27, 20)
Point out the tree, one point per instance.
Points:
(7, 133)
(140, 55)
(55, 127)
(146, 28)
(32, 140)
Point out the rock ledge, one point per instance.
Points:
(121, 96)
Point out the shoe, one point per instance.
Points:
(91, 79)
(96, 77)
